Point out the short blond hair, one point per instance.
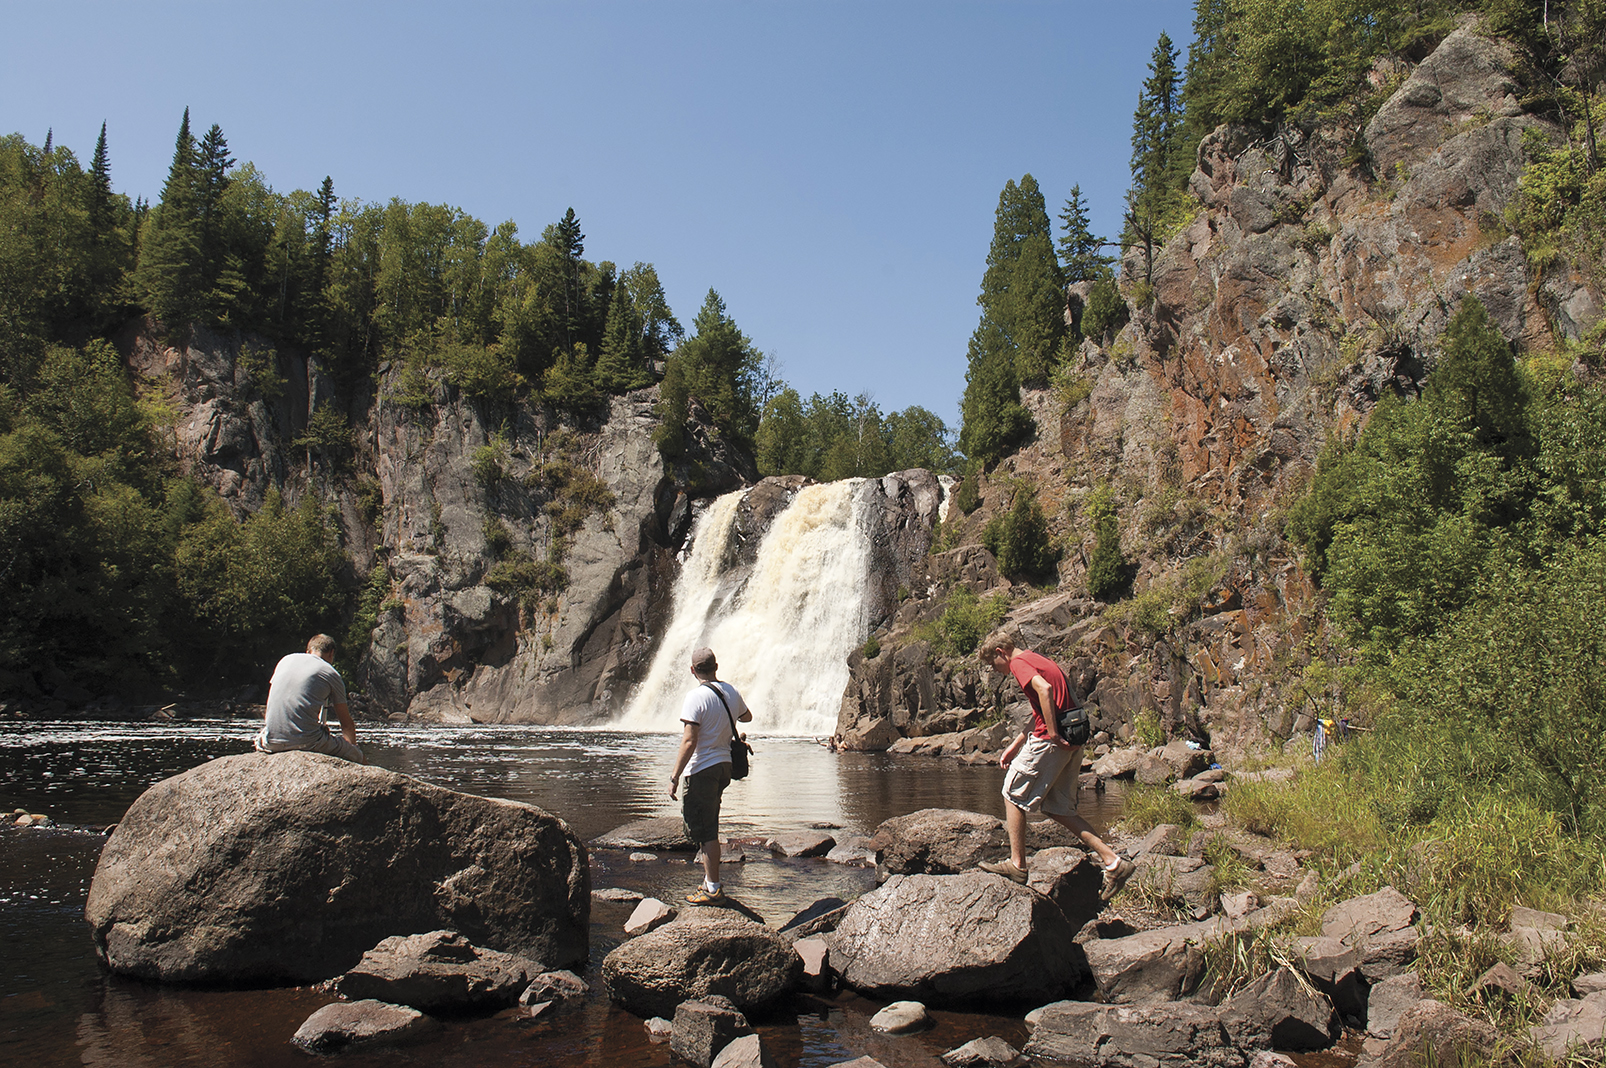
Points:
(321, 645)
(1002, 638)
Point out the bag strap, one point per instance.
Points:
(726, 703)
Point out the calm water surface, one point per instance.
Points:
(58, 1008)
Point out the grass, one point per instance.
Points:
(1147, 807)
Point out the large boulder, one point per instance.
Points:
(436, 972)
(1159, 965)
(289, 867)
(1140, 1036)
(1291, 1013)
(348, 1026)
(1432, 1032)
(937, 841)
(946, 939)
(706, 951)
(1072, 879)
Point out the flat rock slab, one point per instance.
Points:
(1388, 1000)
(989, 1052)
(853, 850)
(353, 1025)
(1139, 1036)
(956, 938)
(665, 833)
(617, 894)
(1360, 918)
(1158, 965)
(438, 971)
(937, 841)
(650, 914)
(705, 951)
(801, 844)
(288, 867)
(1573, 1024)
(901, 1018)
(745, 1052)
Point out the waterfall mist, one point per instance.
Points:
(783, 631)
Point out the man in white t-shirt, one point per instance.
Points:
(708, 715)
(303, 685)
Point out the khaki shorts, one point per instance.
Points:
(699, 805)
(1044, 777)
(331, 744)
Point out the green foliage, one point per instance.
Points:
(370, 601)
(872, 648)
(498, 539)
(1020, 541)
(834, 437)
(717, 368)
(1108, 574)
(1148, 730)
(1562, 192)
(1106, 312)
(489, 463)
(527, 580)
(1157, 202)
(1080, 250)
(327, 432)
(967, 619)
(1143, 808)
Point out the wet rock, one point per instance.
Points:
(1433, 1030)
(1292, 1014)
(704, 1027)
(858, 1062)
(289, 867)
(649, 915)
(801, 844)
(554, 986)
(854, 851)
(664, 833)
(1573, 1025)
(901, 1018)
(937, 841)
(616, 893)
(438, 971)
(705, 951)
(955, 938)
(816, 956)
(345, 1026)
(989, 1052)
(1136, 1036)
(818, 918)
(643, 858)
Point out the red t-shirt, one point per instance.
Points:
(1026, 665)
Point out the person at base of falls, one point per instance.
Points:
(708, 718)
(1044, 769)
(303, 685)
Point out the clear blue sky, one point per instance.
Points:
(831, 168)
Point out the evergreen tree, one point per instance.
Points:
(571, 242)
(100, 188)
(1079, 248)
(1155, 202)
(168, 276)
(715, 367)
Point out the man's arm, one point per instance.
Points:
(1014, 747)
(347, 726)
(1051, 715)
(688, 746)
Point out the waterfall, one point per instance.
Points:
(784, 634)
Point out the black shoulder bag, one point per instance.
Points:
(739, 748)
(1074, 724)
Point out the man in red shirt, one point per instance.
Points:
(1043, 769)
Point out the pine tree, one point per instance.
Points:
(715, 367)
(1154, 201)
(168, 276)
(1079, 247)
(100, 189)
(571, 242)
(212, 181)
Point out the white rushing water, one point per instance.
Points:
(783, 636)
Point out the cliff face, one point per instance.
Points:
(1312, 278)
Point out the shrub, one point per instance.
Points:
(967, 495)
(872, 648)
(1106, 311)
(1146, 807)
(1019, 539)
(967, 619)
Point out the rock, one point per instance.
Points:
(1153, 770)
(1433, 1030)
(1118, 764)
(659, 1029)
(1135, 1036)
(952, 938)
(801, 844)
(1385, 912)
(858, 1062)
(344, 1026)
(1389, 954)
(1159, 965)
(1573, 1026)
(1334, 968)
(288, 867)
(1540, 921)
(1180, 881)
(1267, 1059)
(705, 951)
(438, 971)
(554, 986)
(901, 1018)
(649, 915)
(1167, 839)
(1502, 981)
(1593, 983)
(937, 841)
(1071, 879)
(706, 1026)
(1534, 935)
(1185, 761)
(854, 850)
(989, 1052)
(534, 1010)
(1268, 775)
(1291, 1013)
(745, 1052)
(1197, 789)
(1237, 906)
(1387, 1000)
(664, 833)
(616, 893)
(819, 918)
(816, 956)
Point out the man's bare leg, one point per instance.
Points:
(1084, 830)
(711, 862)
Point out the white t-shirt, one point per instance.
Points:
(713, 726)
(302, 685)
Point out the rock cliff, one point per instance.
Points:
(1318, 272)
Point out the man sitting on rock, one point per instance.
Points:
(709, 716)
(303, 684)
(1044, 769)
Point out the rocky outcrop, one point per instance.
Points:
(291, 866)
(949, 939)
(937, 841)
(706, 951)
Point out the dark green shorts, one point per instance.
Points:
(699, 804)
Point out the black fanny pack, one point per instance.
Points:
(1075, 727)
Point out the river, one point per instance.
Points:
(57, 1007)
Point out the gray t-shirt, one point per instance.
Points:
(302, 684)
